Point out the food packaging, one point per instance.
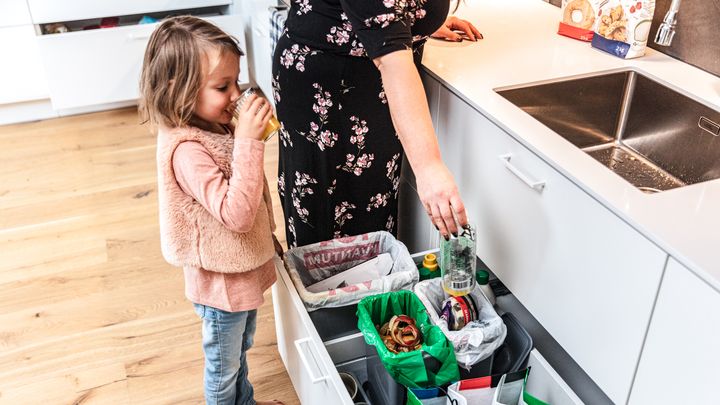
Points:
(623, 27)
(579, 19)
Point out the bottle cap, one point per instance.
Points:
(482, 277)
(430, 262)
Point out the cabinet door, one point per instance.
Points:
(13, 13)
(679, 363)
(588, 277)
(22, 77)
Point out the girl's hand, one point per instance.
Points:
(253, 116)
(452, 24)
(440, 197)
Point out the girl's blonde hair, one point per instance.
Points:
(172, 68)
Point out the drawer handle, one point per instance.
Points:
(138, 37)
(538, 185)
(306, 363)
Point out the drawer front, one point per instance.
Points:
(308, 363)
(584, 274)
(546, 385)
(681, 354)
(45, 11)
(14, 12)
(22, 77)
(103, 66)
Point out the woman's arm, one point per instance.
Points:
(411, 117)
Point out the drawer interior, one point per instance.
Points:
(129, 20)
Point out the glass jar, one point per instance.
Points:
(273, 125)
(458, 262)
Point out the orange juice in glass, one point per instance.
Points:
(273, 125)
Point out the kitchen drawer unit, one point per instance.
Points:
(312, 353)
(23, 79)
(102, 66)
(681, 354)
(587, 276)
(49, 11)
(14, 13)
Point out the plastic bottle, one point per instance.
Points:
(483, 279)
(458, 261)
(429, 267)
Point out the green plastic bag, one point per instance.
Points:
(408, 368)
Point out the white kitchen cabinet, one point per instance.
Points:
(13, 13)
(103, 66)
(47, 11)
(261, 52)
(587, 276)
(679, 363)
(22, 77)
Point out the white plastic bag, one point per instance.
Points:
(477, 340)
(310, 264)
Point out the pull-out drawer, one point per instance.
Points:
(546, 385)
(47, 11)
(583, 273)
(313, 355)
(306, 359)
(103, 66)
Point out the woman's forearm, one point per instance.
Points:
(409, 109)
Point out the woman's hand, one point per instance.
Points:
(253, 116)
(452, 24)
(440, 197)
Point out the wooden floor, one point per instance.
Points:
(90, 313)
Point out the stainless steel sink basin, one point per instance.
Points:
(652, 136)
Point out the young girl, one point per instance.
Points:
(216, 219)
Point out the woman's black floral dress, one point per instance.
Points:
(340, 156)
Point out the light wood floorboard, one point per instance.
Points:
(90, 313)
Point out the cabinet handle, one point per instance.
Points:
(305, 362)
(137, 37)
(537, 185)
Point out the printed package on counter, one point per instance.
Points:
(579, 19)
(623, 27)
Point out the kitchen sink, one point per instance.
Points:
(650, 135)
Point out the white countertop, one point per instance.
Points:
(521, 45)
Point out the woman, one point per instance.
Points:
(350, 100)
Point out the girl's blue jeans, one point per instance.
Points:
(226, 338)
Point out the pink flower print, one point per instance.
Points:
(392, 167)
(285, 136)
(382, 97)
(331, 189)
(275, 88)
(305, 6)
(390, 224)
(302, 188)
(389, 3)
(314, 126)
(291, 228)
(342, 214)
(287, 58)
(357, 48)
(281, 184)
(420, 13)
